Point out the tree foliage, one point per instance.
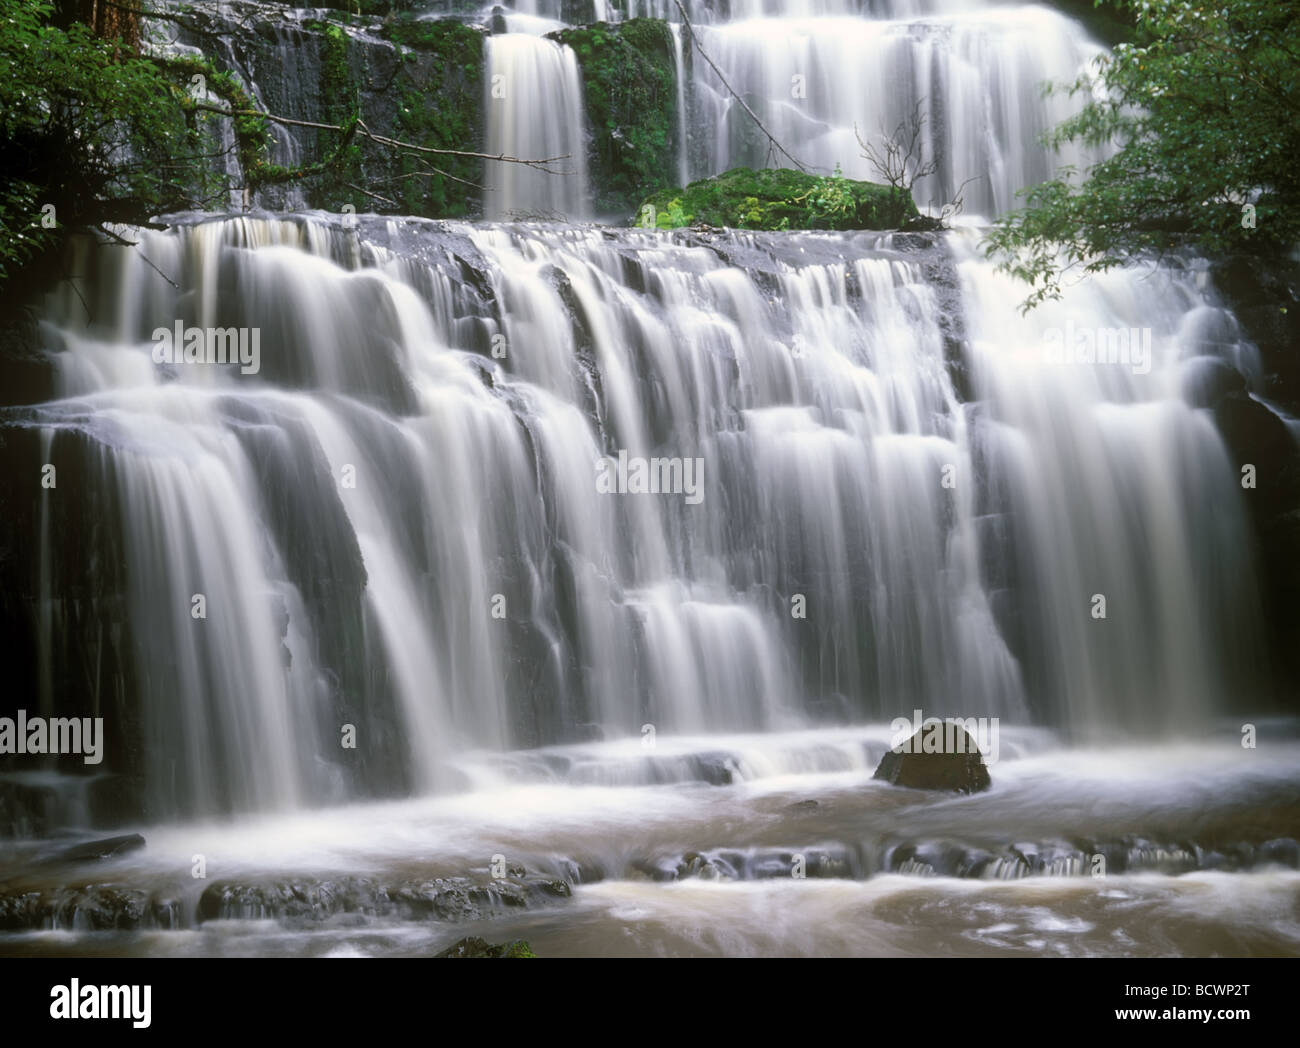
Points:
(90, 132)
(1201, 115)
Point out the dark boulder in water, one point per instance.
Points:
(95, 851)
(939, 756)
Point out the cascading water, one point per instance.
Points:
(534, 111)
(820, 84)
(894, 493)
(853, 532)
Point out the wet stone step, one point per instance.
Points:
(105, 907)
(951, 859)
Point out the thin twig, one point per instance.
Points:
(383, 140)
(135, 243)
(712, 65)
(376, 196)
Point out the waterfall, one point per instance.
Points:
(820, 84)
(396, 521)
(573, 579)
(533, 100)
(680, 68)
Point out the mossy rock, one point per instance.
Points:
(444, 37)
(630, 93)
(438, 92)
(472, 946)
(369, 7)
(780, 198)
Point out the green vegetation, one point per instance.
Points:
(1204, 111)
(87, 129)
(1108, 20)
(780, 198)
(519, 948)
(630, 92)
(439, 93)
(341, 105)
(473, 946)
(92, 133)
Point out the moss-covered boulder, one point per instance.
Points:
(472, 946)
(780, 198)
(630, 92)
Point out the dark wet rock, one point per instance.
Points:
(821, 861)
(939, 756)
(21, 910)
(948, 858)
(655, 869)
(800, 807)
(826, 864)
(95, 907)
(717, 769)
(1255, 435)
(1205, 381)
(1150, 856)
(472, 946)
(27, 372)
(694, 864)
(1264, 295)
(103, 907)
(1283, 852)
(975, 863)
(438, 898)
(96, 851)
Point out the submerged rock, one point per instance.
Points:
(941, 755)
(297, 900)
(437, 898)
(95, 851)
(472, 946)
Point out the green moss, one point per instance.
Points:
(252, 131)
(440, 98)
(442, 37)
(630, 93)
(518, 948)
(779, 198)
(474, 947)
(373, 8)
(340, 104)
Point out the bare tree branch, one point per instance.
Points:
(753, 116)
(900, 157)
(393, 143)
